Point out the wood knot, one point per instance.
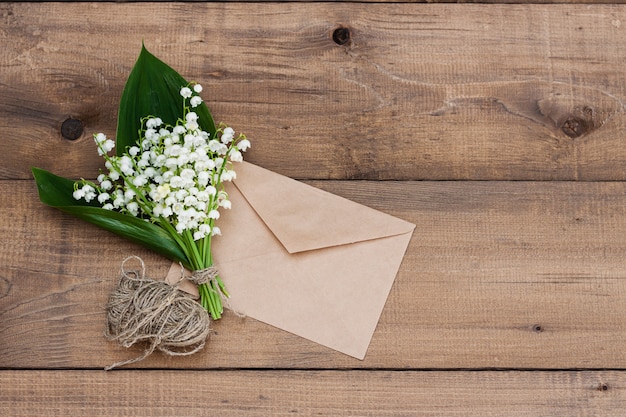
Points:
(72, 129)
(341, 35)
(575, 127)
(577, 115)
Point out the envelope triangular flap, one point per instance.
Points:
(305, 218)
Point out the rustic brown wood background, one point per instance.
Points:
(498, 129)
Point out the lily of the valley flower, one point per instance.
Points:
(174, 178)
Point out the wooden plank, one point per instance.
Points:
(419, 91)
(497, 275)
(328, 393)
(379, 1)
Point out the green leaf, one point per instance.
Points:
(153, 89)
(57, 192)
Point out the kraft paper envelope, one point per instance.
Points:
(307, 261)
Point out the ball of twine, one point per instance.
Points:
(142, 310)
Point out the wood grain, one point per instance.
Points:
(371, 1)
(419, 91)
(497, 275)
(327, 393)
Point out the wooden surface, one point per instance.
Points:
(499, 130)
(325, 393)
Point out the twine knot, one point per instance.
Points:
(141, 309)
(204, 276)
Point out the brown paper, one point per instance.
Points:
(307, 261)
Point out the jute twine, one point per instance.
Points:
(141, 309)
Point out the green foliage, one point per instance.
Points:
(57, 191)
(153, 89)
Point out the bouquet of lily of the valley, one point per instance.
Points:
(163, 186)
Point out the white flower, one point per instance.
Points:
(195, 101)
(171, 164)
(201, 140)
(204, 165)
(203, 178)
(173, 150)
(191, 117)
(100, 138)
(190, 200)
(170, 200)
(181, 194)
(229, 175)
(161, 192)
(78, 194)
(106, 185)
(216, 231)
(183, 159)
(181, 227)
(129, 195)
(167, 175)
(214, 214)
(201, 206)
(177, 181)
(150, 172)
(133, 151)
(103, 197)
(140, 181)
(151, 135)
(214, 146)
(118, 201)
(158, 210)
(188, 174)
(89, 192)
(197, 88)
(185, 92)
(203, 196)
(211, 190)
(133, 208)
(227, 135)
(179, 130)
(108, 206)
(226, 204)
(235, 155)
(105, 146)
(243, 145)
(188, 140)
(126, 166)
(154, 122)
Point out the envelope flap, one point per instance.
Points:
(306, 218)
